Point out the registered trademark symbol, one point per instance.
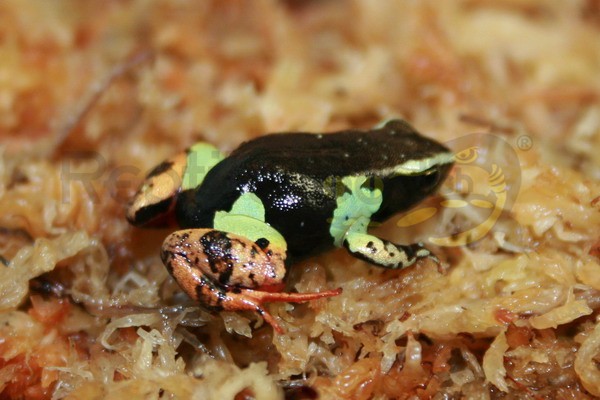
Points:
(524, 142)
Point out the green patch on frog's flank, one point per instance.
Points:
(201, 158)
(247, 218)
(354, 209)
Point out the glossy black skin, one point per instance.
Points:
(296, 174)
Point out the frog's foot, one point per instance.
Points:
(219, 297)
(385, 254)
(225, 271)
(253, 300)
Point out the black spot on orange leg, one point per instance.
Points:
(262, 243)
(160, 168)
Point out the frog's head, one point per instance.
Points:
(154, 203)
(416, 173)
(421, 177)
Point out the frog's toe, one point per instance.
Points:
(272, 297)
(434, 258)
(253, 300)
(243, 302)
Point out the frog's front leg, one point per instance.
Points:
(360, 200)
(384, 253)
(225, 271)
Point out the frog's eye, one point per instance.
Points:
(467, 155)
(154, 202)
(430, 180)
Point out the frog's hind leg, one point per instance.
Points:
(384, 253)
(225, 271)
(217, 297)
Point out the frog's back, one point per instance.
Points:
(350, 152)
(295, 176)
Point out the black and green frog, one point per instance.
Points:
(283, 197)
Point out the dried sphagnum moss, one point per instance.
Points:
(94, 94)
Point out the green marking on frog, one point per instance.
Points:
(354, 208)
(247, 218)
(350, 222)
(201, 158)
(249, 204)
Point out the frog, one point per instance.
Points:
(243, 219)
